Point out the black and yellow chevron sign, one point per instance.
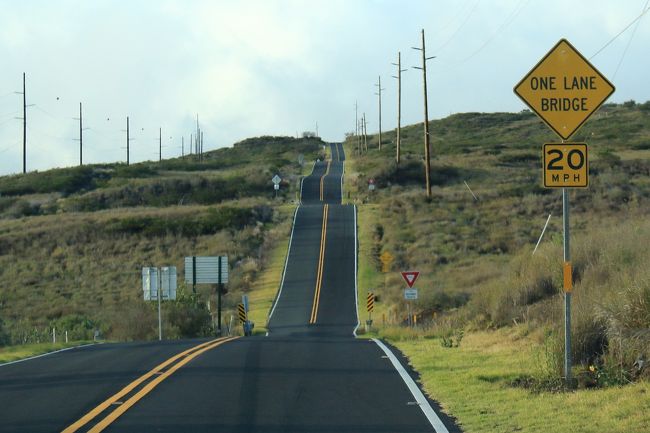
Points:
(241, 311)
(370, 302)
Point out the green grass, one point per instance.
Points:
(265, 287)
(73, 241)
(14, 353)
(477, 272)
(474, 384)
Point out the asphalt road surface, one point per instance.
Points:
(309, 374)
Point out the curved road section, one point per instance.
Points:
(309, 374)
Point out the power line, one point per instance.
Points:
(513, 15)
(620, 33)
(629, 42)
(458, 29)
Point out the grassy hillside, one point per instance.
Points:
(73, 240)
(475, 255)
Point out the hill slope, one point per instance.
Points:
(73, 240)
(475, 255)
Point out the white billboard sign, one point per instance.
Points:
(167, 281)
(206, 270)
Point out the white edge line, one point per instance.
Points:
(422, 401)
(284, 271)
(356, 272)
(46, 354)
(302, 179)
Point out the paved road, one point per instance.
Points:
(308, 375)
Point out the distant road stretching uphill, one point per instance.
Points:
(308, 375)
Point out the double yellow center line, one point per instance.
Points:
(319, 272)
(322, 182)
(161, 372)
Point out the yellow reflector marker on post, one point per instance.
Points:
(568, 277)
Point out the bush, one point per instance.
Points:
(210, 222)
(64, 180)
(189, 316)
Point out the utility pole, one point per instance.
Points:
(159, 144)
(359, 137)
(427, 157)
(191, 140)
(81, 136)
(197, 142)
(356, 119)
(365, 132)
(182, 147)
(201, 145)
(379, 93)
(399, 104)
(128, 139)
(24, 127)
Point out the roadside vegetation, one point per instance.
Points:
(73, 240)
(483, 296)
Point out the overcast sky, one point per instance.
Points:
(277, 67)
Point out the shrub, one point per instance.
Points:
(189, 316)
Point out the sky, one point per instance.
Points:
(278, 67)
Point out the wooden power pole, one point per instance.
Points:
(379, 93)
(24, 127)
(399, 105)
(128, 139)
(365, 133)
(427, 157)
(81, 137)
(159, 144)
(356, 119)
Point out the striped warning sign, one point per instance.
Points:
(241, 311)
(370, 302)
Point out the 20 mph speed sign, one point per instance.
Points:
(566, 165)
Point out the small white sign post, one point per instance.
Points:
(159, 284)
(276, 183)
(208, 270)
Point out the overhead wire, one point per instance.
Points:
(449, 22)
(509, 19)
(45, 111)
(629, 42)
(7, 148)
(620, 33)
(458, 29)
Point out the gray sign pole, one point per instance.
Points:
(567, 291)
(194, 274)
(219, 290)
(159, 273)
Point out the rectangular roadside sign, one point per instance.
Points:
(566, 165)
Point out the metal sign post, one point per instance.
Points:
(370, 306)
(568, 283)
(159, 283)
(219, 292)
(564, 90)
(208, 270)
(276, 184)
(159, 301)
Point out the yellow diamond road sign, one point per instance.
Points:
(564, 89)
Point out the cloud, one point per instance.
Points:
(274, 67)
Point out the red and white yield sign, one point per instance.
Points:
(410, 277)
